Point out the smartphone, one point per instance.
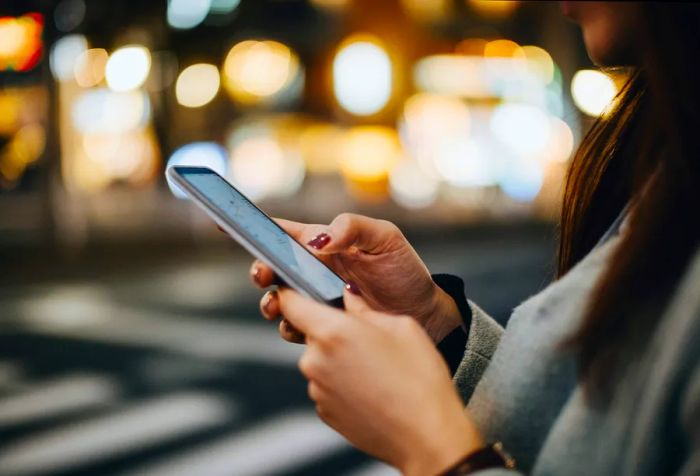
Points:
(259, 234)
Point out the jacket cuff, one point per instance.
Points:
(452, 347)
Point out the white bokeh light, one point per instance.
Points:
(128, 67)
(64, 55)
(186, 14)
(362, 77)
(592, 91)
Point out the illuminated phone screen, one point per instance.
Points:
(264, 233)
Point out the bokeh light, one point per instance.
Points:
(465, 162)
(186, 14)
(540, 63)
(257, 71)
(198, 154)
(102, 110)
(20, 42)
(593, 91)
(89, 68)
(197, 85)
(362, 76)
(503, 49)
(368, 153)
(128, 67)
(524, 129)
(261, 166)
(69, 14)
(561, 142)
(429, 121)
(410, 187)
(64, 54)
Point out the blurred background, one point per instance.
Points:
(130, 341)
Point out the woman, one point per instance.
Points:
(597, 374)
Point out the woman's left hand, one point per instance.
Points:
(378, 380)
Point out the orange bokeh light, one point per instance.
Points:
(20, 42)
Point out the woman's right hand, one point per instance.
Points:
(375, 256)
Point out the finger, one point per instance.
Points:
(305, 314)
(270, 306)
(261, 274)
(302, 232)
(290, 333)
(355, 304)
(349, 230)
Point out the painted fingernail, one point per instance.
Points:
(255, 274)
(352, 287)
(319, 241)
(266, 302)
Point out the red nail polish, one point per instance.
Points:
(319, 241)
(352, 287)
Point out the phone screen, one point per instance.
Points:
(264, 233)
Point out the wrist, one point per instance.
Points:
(444, 316)
(443, 450)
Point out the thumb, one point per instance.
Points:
(349, 230)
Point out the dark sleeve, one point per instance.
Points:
(452, 347)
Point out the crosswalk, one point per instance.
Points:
(89, 385)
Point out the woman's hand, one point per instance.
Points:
(378, 380)
(376, 256)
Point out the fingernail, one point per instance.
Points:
(352, 287)
(319, 241)
(266, 303)
(255, 274)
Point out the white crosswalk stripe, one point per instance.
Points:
(282, 443)
(148, 423)
(56, 396)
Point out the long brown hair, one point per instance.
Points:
(645, 153)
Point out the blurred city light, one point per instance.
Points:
(197, 85)
(539, 62)
(428, 122)
(89, 68)
(453, 75)
(102, 110)
(198, 154)
(368, 153)
(20, 42)
(593, 91)
(69, 14)
(127, 68)
(503, 49)
(261, 166)
(186, 14)
(318, 143)
(524, 129)
(411, 187)
(257, 71)
(493, 8)
(522, 180)
(362, 75)
(561, 142)
(64, 54)
(464, 162)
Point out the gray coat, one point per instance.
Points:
(522, 389)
